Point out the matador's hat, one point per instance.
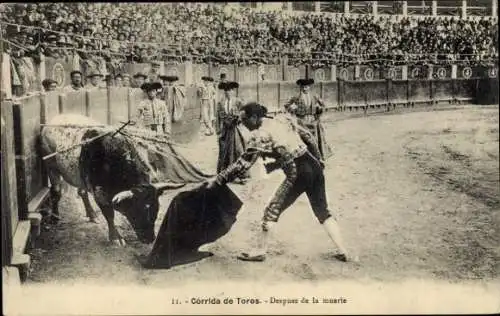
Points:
(140, 74)
(95, 74)
(254, 108)
(47, 82)
(226, 86)
(146, 87)
(305, 82)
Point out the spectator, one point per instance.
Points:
(244, 36)
(139, 79)
(76, 81)
(95, 79)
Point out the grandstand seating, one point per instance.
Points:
(139, 32)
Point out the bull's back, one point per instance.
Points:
(62, 132)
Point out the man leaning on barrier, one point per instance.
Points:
(278, 139)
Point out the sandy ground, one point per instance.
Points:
(416, 194)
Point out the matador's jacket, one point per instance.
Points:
(154, 115)
(308, 109)
(295, 151)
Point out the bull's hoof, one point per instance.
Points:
(118, 242)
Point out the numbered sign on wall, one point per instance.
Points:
(492, 72)
(467, 72)
(343, 74)
(59, 74)
(319, 75)
(441, 73)
(368, 74)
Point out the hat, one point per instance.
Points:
(254, 108)
(75, 72)
(223, 76)
(118, 76)
(305, 82)
(125, 75)
(232, 85)
(169, 78)
(206, 78)
(151, 86)
(52, 37)
(226, 86)
(155, 63)
(140, 74)
(94, 74)
(47, 82)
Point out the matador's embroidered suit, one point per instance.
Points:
(283, 140)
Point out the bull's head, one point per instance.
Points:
(140, 206)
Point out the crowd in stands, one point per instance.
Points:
(142, 32)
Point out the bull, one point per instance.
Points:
(109, 167)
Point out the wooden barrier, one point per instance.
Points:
(465, 90)
(27, 114)
(419, 91)
(269, 94)
(330, 94)
(119, 99)
(376, 92)
(353, 94)
(443, 90)
(397, 92)
(248, 91)
(97, 104)
(10, 215)
(16, 227)
(75, 102)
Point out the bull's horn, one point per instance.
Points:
(168, 186)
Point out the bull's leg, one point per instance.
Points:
(55, 195)
(89, 211)
(114, 236)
